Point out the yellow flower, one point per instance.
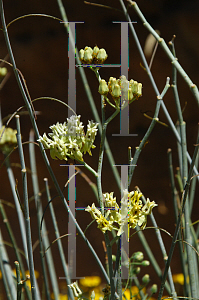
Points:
(178, 278)
(90, 281)
(61, 297)
(134, 292)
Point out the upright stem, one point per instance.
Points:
(184, 174)
(29, 108)
(184, 197)
(192, 86)
(110, 264)
(35, 295)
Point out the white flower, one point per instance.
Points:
(69, 140)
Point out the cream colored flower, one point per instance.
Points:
(68, 140)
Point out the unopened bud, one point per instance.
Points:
(134, 87)
(113, 258)
(145, 263)
(138, 256)
(103, 87)
(154, 288)
(145, 278)
(130, 94)
(88, 55)
(116, 92)
(101, 55)
(95, 51)
(139, 89)
(111, 83)
(3, 72)
(81, 54)
(137, 270)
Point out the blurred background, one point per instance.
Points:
(40, 47)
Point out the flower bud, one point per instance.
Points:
(3, 72)
(103, 87)
(137, 270)
(113, 258)
(138, 256)
(116, 92)
(8, 139)
(134, 87)
(102, 56)
(145, 263)
(88, 55)
(154, 289)
(81, 54)
(139, 89)
(145, 278)
(95, 51)
(130, 94)
(112, 81)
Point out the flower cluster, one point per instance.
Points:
(127, 90)
(8, 140)
(132, 212)
(68, 140)
(92, 56)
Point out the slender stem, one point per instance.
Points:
(38, 205)
(88, 167)
(163, 250)
(15, 246)
(184, 174)
(147, 134)
(35, 295)
(162, 43)
(31, 114)
(101, 155)
(57, 234)
(110, 263)
(7, 274)
(18, 207)
(176, 211)
(19, 284)
(90, 97)
(193, 86)
(184, 197)
(193, 188)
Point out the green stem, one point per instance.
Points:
(35, 295)
(38, 205)
(184, 197)
(162, 43)
(193, 86)
(15, 246)
(147, 134)
(184, 173)
(110, 263)
(31, 114)
(90, 97)
(7, 274)
(57, 234)
(100, 161)
(88, 167)
(18, 208)
(175, 198)
(19, 284)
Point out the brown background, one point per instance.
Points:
(40, 48)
